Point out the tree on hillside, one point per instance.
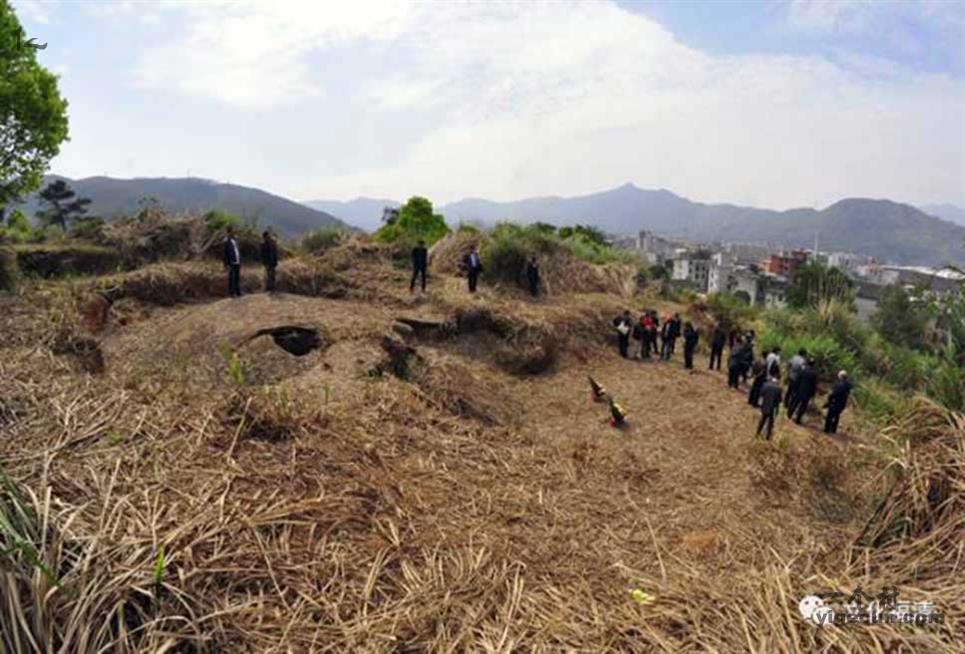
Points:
(416, 221)
(899, 319)
(813, 283)
(33, 115)
(63, 206)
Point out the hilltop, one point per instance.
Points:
(120, 197)
(433, 476)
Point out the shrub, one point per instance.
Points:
(88, 229)
(9, 272)
(17, 228)
(730, 312)
(321, 239)
(416, 222)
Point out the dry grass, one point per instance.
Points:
(322, 506)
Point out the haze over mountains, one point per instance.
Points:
(949, 212)
(888, 230)
(112, 197)
(364, 213)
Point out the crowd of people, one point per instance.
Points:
(658, 338)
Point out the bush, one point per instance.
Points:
(729, 311)
(88, 229)
(321, 239)
(17, 228)
(416, 222)
(829, 355)
(9, 272)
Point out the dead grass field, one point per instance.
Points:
(400, 490)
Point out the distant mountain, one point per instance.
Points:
(881, 228)
(117, 197)
(364, 213)
(949, 212)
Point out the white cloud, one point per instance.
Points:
(38, 11)
(509, 100)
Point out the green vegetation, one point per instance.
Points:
(912, 346)
(9, 271)
(322, 239)
(814, 283)
(33, 116)
(17, 228)
(416, 222)
(63, 205)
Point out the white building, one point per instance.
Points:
(848, 261)
(695, 271)
(718, 277)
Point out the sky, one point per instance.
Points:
(773, 104)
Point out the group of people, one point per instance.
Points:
(764, 372)
(656, 339)
(231, 257)
(472, 266)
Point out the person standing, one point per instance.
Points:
(717, 347)
(804, 390)
(735, 361)
(232, 263)
(773, 362)
(690, 344)
(770, 403)
(649, 335)
(747, 356)
(837, 401)
(420, 263)
(473, 268)
(623, 325)
(760, 375)
(675, 330)
(532, 276)
(794, 367)
(269, 259)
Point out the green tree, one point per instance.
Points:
(899, 319)
(17, 228)
(416, 221)
(813, 283)
(63, 206)
(33, 115)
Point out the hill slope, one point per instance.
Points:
(888, 230)
(949, 212)
(113, 197)
(364, 213)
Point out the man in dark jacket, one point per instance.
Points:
(676, 327)
(532, 276)
(420, 263)
(269, 259)
(794, 367)
(805, 387)
(473, 268)
(735, 361)
(232, 263)
(760, 375)
(770, 404)
(690, 344)
(717, 347)
(623, 325)
(747, 357)
(837, 401)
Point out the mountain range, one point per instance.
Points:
(112, 197)
(888, 230)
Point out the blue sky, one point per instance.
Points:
(775, 104)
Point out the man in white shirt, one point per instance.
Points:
(773, 363)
